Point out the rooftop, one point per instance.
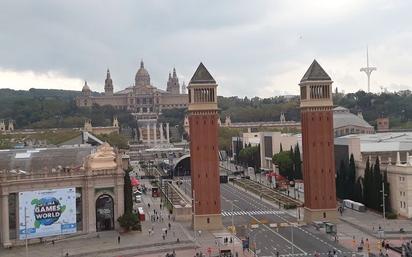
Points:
(202, 76)
(342, 118)
(43, 159)
(315, 73)
(384, 142)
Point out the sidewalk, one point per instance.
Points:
(369, 222)
(105, 243)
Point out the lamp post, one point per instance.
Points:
(233, 223)
(25, 232)
(254, 240)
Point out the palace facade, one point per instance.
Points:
(142, 98)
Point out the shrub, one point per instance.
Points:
(289, 206)
(391, 216)
(128, 220)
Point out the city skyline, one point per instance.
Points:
(267, 45)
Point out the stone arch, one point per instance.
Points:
(105, 211)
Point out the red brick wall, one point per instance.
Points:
(204, 162)
(318, 159)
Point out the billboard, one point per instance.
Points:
(47, 213)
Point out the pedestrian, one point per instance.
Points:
(148, 205)
(52, 242)
(160, 206)
(118, 239)
(170, 225)
(329, 254)
(166, 232)
(163, 236)
(277, 253)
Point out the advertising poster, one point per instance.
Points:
(47, 213)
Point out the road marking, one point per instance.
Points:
(271, 230)
(250, 199)
(247, 213)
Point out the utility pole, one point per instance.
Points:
(293, 249)
(368, 70)
(383, 200)
(25, 232)
(194, 212)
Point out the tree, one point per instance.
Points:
(377, 177)
(357, 194)
(238, 147)
(340, 181)
(292, 174)
(280, 148)
(284, 162)
(350, 178)
(387, 192)
(298, 163)
(250, 155)
(367, 184)
(128, 191)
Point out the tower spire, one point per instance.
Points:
(174, 73)
(141, 64)
(368, 70)
(108, 74)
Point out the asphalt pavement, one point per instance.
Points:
(269, 228)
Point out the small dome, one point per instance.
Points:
(86, 87)
(142, 76)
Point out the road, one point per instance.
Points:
(287, 240)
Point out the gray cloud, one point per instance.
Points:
(246, 45)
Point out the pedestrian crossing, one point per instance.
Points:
(253, 213)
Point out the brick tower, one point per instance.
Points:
(317, 141)
(203, 115)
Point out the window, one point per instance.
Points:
(208, 220)
(303, 92)
(324, 215)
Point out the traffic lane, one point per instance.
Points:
(274, 236)
(306, 239)
(248, 203)
(238, 220)
(269, 242)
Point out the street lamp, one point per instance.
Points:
(233, 224)
(254, 240)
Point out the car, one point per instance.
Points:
(138, 198)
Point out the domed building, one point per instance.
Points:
(142, 98)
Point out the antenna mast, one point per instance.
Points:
(368, 70)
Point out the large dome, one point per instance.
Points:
(142, 76)
(86, 87)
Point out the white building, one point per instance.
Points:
(393, 149)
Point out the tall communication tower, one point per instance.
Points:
(368, 70)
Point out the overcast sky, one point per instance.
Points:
(251, 48)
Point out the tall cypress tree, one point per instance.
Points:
(292, 174)
(340, 180)
(387, 192)
(128, 192)
(351, 178)
(378, 185)
(357, 194)
(280, 148)
(298, 163)
(366, 184)
(372, 188)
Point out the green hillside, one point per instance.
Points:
(43, 108)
